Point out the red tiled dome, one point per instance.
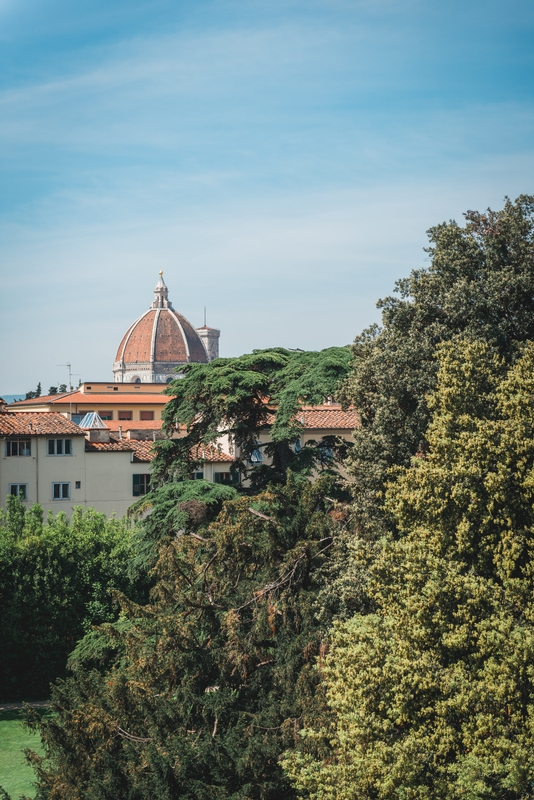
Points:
(160, 340)
(161, 335)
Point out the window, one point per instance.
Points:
(125, 415)
(20, 490)
(146, 415)
(297, 446)
(199, 476)
(105, 414)
(60, 447)
(78, 485)
(141, 485)
(256, 457)
(225, 477)
(18, 447)
(60, 491)
(77, 418)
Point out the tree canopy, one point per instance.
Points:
(198, 693)
(385, 643)
(56, 578)
(432, 693)
(480, 284)
(238, 397)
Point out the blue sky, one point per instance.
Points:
(280, 161)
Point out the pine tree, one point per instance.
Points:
(197, 694)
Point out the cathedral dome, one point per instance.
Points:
(160, 340)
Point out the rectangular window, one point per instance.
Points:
(105, 414)
(20, 490)
(141, 485)
(199, 476)
(78, 485)
(60, 447)
(256, 457)
(60, 491)
(148, 415)
(18, 447)
(125, 415)
(225, 477)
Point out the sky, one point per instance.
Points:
(279, 160)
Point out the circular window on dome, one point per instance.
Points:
(169, 380)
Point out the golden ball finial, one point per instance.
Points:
(161, 272)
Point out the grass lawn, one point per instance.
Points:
(16, 776)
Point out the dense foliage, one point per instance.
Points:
(237, 397)
(383, 640)
(480, 284)
(433, 694)
(197, 694)
(56, 579)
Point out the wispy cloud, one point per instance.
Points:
(280, 160)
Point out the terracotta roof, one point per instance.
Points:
(115, 445)
(142, 450)
(330, 417)
(325, 417)
(36, 401)
(133, 424)
(211, 453)
(37, 423)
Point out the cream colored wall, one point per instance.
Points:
(39, 471)
(135, 408)
(109, 481)
(105, 477)
(89, 405)
(210, 468)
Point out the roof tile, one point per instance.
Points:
(35, 423)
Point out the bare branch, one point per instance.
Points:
(262, 516)
(125, 735)
(196, 536)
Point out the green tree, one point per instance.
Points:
(432, 694)
(33, 394)
(55, 582)
(239, 397)
(197, 694)
(480, 284)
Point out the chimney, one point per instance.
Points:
(97, 435)
(95, 429)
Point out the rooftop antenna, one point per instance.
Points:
(70, 385)
(204, 316)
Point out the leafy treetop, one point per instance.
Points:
(432, 693)
(240, 396)
(479, 284)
